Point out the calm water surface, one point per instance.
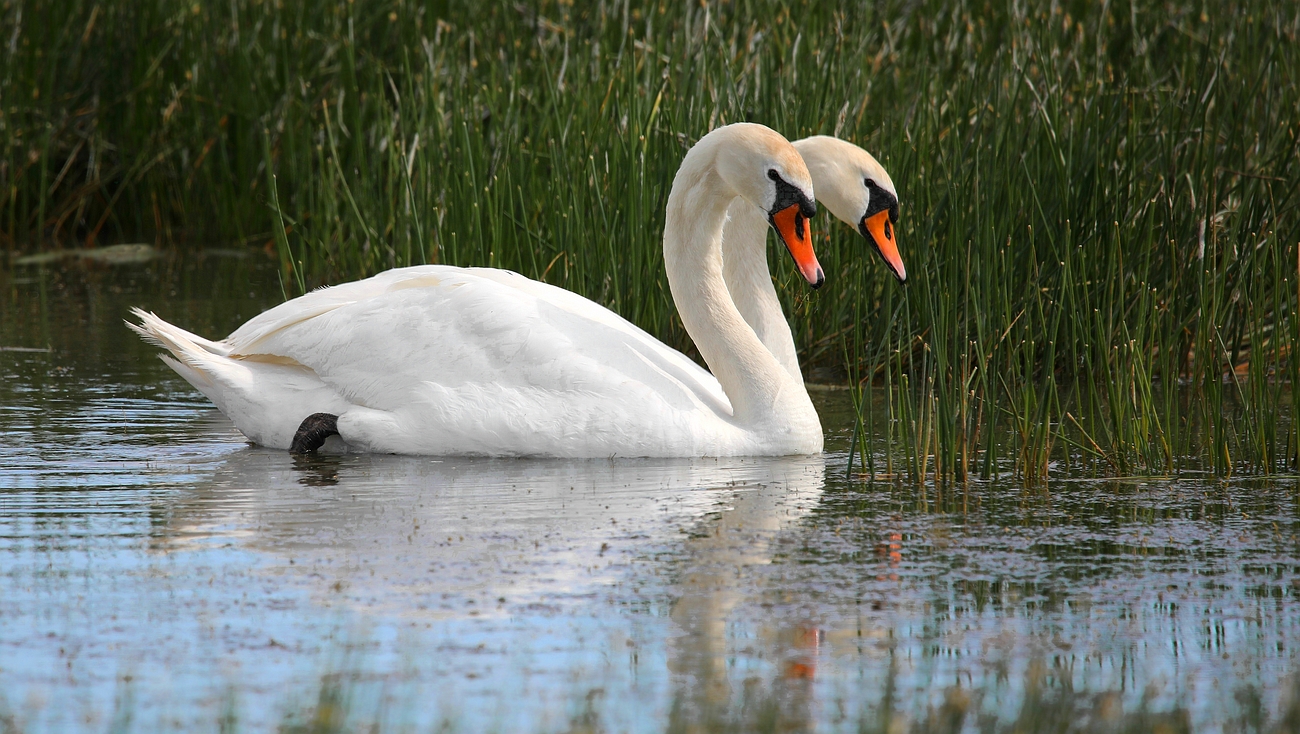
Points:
(159, 573)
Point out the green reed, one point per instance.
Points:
(1099, 200)
(1111, 217)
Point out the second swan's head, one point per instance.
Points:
(762, 166)
(857, 190)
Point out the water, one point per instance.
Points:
(158, 573)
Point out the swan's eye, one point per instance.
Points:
(868, 182)
(772, 174)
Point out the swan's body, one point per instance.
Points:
(446, 360)
(853, 185)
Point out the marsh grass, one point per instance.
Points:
(1099, 199)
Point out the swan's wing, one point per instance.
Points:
(376, 341)
(247, 338)
(678, 364)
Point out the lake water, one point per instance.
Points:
(157, 573)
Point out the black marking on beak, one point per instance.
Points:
(788, 194)
(880, 200)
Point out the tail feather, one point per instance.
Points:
(266, 399)
(202, 362)
(173, 338)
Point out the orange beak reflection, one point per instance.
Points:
(880, 231)
(796, 232)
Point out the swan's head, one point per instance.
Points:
(857, 190)
(764, 168)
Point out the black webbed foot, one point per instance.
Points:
(313, 431)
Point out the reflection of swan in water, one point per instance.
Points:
(539, 559)
(414, 535)
(717, 577)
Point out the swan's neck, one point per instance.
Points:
(745, 270)
(758, 386)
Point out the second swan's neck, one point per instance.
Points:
(749, 280)
(752, 378)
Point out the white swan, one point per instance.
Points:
(855, 188)
(446, 360)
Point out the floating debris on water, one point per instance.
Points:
(127, 254)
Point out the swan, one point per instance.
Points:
(445, 360)
(856, 189)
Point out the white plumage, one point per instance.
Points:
(468, 360)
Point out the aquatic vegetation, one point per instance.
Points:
(1114, 272)
(1099, 202)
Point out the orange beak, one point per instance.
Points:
(880, 231)
(796, 232)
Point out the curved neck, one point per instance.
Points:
(747, 371)
(749, 280)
